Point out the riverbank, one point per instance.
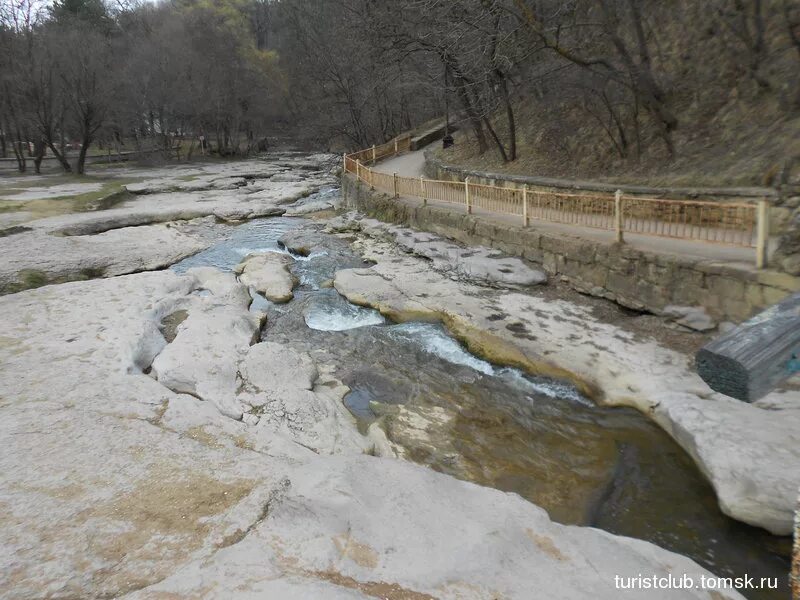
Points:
(173, 433)
(649, 277)
(750, 453)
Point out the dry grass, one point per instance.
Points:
(738, 146)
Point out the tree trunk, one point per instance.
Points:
(512, 124)
(60, 157)
(20, 156)
(39, 149)
(498, 142)
(80, 166)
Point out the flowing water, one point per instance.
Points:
(452, 411)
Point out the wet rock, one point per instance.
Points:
(691, 317)
(269, 275)
(299, 241)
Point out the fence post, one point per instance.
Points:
(358, 169)
(762, 240)
(344, 162)
(466, 191)
(373, 153)
(618, 220)
(396, 193)
(422, 187)
(395, 145)
(371, 179)
(525, 220)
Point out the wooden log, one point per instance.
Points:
(749, 361)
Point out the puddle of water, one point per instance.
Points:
(496, 426)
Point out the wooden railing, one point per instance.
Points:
(743, 224)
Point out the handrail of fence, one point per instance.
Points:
(743, 224)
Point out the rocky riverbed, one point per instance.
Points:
(289, 411)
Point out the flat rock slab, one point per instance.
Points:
(476, 264)
(385, 529)
(269, 275)
(53, 191)
(305, 208)
(34, 257)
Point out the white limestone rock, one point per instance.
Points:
(298, 241)
(475, 264)
(389, 529)
(203, 359)
(691, 317)
(40, 256)
(286, 178)
(285, 390)
(131, 236)
(305, 208)
(272, 367)
(268, 274)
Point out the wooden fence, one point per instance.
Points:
(743, 224)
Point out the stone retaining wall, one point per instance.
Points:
(633, 278)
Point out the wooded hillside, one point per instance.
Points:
(706, 92)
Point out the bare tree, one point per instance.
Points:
(745, 19)
(625, 58)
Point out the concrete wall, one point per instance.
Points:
(633, 278)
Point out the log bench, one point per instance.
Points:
(751, 360)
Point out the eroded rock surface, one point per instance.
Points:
(387, 529)
(115, 485)
(750, 453)
(148, 231)
(34, 257)
(299, 241)
(692, 317)
(476, 264)
(269, 275)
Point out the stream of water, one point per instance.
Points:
(602, 467)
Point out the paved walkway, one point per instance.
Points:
(411, 164)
